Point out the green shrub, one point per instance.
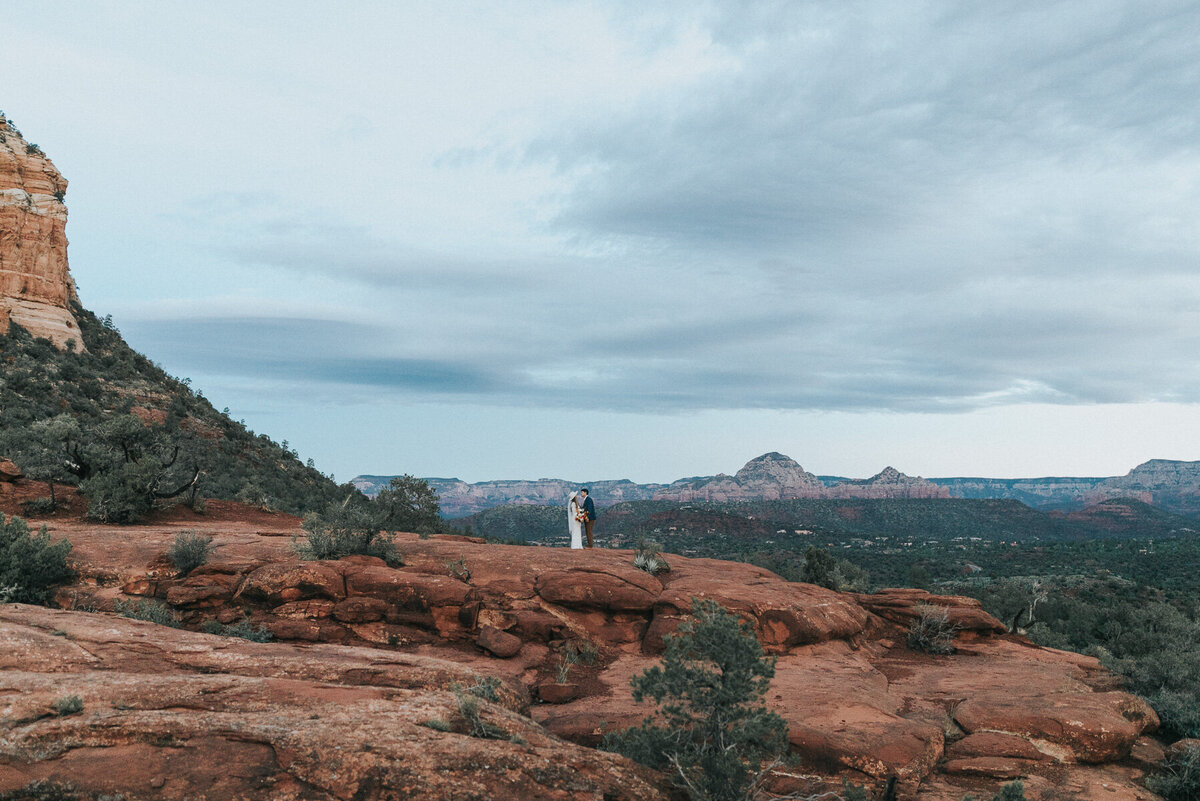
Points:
(1179, 777)
(115, 496)
(68, 705)
(408, 504)
(932, 631)
(42, 790)
(148, 610)
(648, 557)
(458, 569)
(581, 650)
(243, 629)
(468, 712)
(485, 687)
(711, 731)
(826, 570)
(345, 529)
(1178, 711)
(29, 564)
(39, 506)
(437, 724)
(190, 550)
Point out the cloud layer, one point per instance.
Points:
(817, 206)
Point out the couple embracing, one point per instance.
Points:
(581, 516)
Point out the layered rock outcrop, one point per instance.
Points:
(169, 714)
(364, 643)
(36, 287)
(770, 477)
(888, 483)
(1173, 485)
(775, 477)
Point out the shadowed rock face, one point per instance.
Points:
(372, 652)
(35, 284)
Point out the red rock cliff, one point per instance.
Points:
(35, 283)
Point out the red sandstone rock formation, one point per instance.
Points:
(35, 284)
(379, 643)
(888, 483)
(774, 476)
(171, 714)
(769, 477)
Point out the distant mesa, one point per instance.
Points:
(1170, 484)
(36, 288)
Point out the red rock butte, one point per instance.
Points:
(36, 287)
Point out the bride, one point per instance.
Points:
(574, 525)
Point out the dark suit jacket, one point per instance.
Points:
(589, 507)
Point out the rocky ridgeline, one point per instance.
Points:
(36, 287)
(771, 476)
(368, 656)
(1172, 485)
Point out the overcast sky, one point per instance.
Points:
(599, 240)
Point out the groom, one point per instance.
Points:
(590, 509)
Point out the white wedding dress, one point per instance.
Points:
(573, 525)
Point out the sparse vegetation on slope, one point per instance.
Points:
(114, 423)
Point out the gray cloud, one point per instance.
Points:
(864, 207)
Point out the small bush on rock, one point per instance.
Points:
(932, 631)
(485, 687)
(68, 705)
(29, 564)
(150, 611)
(712, 732)
(468, 711)
(648, 557)
(243, 629)
(458, 569)
(1179, 777)
(190, 550)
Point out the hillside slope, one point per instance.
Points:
(76, 400)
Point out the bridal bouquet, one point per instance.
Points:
(581, 515)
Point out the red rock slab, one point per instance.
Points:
(785, 614)
(173, 714)
(498, 643)
(995, 744)
(902, 606)
(360, 610)
(629, 590)
(839, 712)
(585, 720)
(1000, 665)
(9, 471)
(406, 589)
(281, 582)
(1147, 753)
(1094, 727)
(37, 639)
(241, 737)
